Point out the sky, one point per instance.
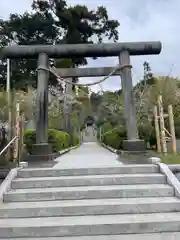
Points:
(140, 20)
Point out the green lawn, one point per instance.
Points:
(170, 158)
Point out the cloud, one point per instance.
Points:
(140, 20)
(14, 6)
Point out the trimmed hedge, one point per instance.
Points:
(75, 140)
(59, 140)
(113, 137)
(147, 133)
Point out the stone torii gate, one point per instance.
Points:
(121, 50)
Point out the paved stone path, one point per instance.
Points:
(89, 135)
(89, 154)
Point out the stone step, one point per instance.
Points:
(89, 207)
(121, 169)
(148, 236)
(89, 225)
(92, 180)
(89, 192)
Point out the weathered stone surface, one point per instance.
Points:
(109, 201)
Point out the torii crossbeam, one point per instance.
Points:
(121, 50)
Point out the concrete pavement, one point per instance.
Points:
(89, 154)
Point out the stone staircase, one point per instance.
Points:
(127, 202)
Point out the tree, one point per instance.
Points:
(109, 107)
(53, 22)
(83, 94)
(148, 79)
(84, 98)
(148, 75)
(169, 88)
(95, 99)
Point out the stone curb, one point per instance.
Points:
(168, 171)
(119, 151)
(6, 184)
(171, 178)
(154, 160)
(67, 150)
(109, 148)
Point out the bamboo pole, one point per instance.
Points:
(172, 129)
(100, 134)
(165, 115)
(9, 101)
(162, 127)
(21, 137)
(158, 139)
(166, 131)
(17, 131)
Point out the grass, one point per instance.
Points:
(170, 158)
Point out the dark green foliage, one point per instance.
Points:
(112, 139)
(58, 139)
(152, 140)
(177, 131)
(26, 29)
(100, 122)
(29, 139)
(75, 140)
(52, 22)
(106, 127)
(95, 100)
(147, 133)
(113, 136)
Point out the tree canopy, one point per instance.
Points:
(53, 22)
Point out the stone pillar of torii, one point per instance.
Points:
(121, 50)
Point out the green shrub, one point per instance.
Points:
(59, 140)
(106, 127)
(99, 123)
(29, 139)
(75, 140)
(177, 131)
(114, 137)
(152, 139)
(147, 133)
(121, 132)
